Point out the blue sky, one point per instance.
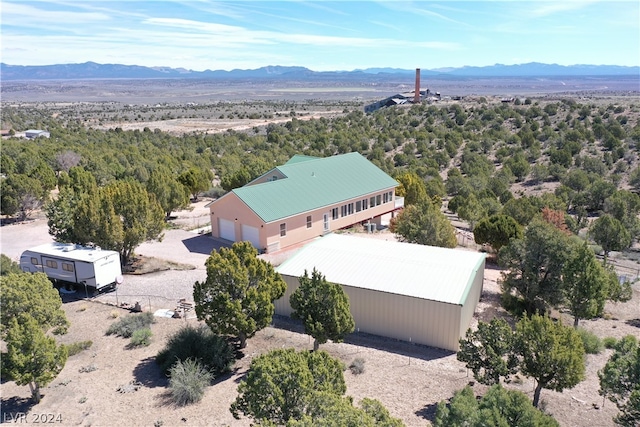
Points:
(320, 35)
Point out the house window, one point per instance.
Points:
(386, 197)
(283, 229)
(358, 205)
(334, 213)
(309, 221)
(365, 204)
(378, 199)
(350, 209)
(52, 264)
(372, 202)
(34, 260)
(67, 267)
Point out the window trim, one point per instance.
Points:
(283, 229)
(309, 221)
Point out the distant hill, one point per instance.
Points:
(92, 70)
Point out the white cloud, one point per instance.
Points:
(550, 8)
(24, 14)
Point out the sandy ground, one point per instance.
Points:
(181, 126)
(409, 379)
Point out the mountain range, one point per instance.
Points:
(92, 70)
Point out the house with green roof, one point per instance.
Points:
(305, 198)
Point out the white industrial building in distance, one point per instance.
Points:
(422, 294)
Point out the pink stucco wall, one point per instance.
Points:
(231, 208)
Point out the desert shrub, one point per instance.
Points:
(513, 304)
(212, 351)
(126, 326)
(591, 342)
(141, 337)
(77, 347)
(610, 342)
(188, 381)
(357, 366)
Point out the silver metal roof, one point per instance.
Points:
(408, 269)
(71, 252)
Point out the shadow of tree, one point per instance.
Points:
(428, 412)
(12, 408)
(633, 322)
(148, 373)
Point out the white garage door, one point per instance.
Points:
(251, 234)
(227, 229)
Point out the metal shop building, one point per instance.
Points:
(409, 292)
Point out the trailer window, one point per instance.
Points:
(67, 267)
(34, 260)
(52, 264)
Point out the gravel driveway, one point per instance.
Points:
(153, 291)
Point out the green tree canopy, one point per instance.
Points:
(488, 351)
(279, 384)
(235, 179)
(412, 188)
(237, 297)
(424, 224)
(534, 266)
(323, 307)
(118, 217)
(8, 266)
(196, 180)
(499, 407)
(32, 358)
(33, 294)
(624, 206)
(550, 353)
(169, 192)
(497, 230)
(585, 284)
(611, 234)
(620, 381)
(21, 195)
(331, 410)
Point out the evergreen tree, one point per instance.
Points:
(620, 381)
(497, 230)
(237, 297)
(323, 307)
(534, 266)
(550, 353)
(585, 284)
(279, 384)
(32, 358)
(488, 351)
(424, 224)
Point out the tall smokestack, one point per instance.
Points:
(416, 93)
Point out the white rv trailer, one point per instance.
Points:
(72, 263)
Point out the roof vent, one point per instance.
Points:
(69, 247)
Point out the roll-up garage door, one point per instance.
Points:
(251, 234)
(227, 229)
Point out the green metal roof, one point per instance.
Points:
(312, 183)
